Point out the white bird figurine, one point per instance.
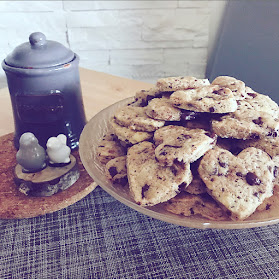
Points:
(31, 156)
(57, 150)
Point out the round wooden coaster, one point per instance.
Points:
(16, 205)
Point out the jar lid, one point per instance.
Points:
(39, 53)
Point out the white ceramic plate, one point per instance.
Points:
(90, 138)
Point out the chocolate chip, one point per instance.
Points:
(255, 136)
(184, 136)
(144, 151)
(275, 171)
(145, 188)
(112, 171)
(163, 153)
(267, 207)
(211, 109)
(223, 164)
(172, 146)
(273, 133)
(258, 121)
(252, 94)
(252, 179)
(239, 174)
(256, 194)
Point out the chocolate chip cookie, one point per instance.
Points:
(149, 182)
(180, 83)
(239, 183)
(135, 118)
(212, 99)
(181, 144)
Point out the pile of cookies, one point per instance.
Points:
(196, 148)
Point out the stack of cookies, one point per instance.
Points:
(196, 148)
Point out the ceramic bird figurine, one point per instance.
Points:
(57, 150)
(31, 156)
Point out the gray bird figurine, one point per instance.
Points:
(31, 156)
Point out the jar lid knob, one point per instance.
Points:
(37, 39)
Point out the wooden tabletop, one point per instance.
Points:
(99, 90)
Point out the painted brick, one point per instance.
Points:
(176, 25)
(193, 4)
(191, 20)
(30, 6)
(92, 19)
(93, 58)
(19, 26)
(136, 57)
(92, 39)
(117, 5)
(166, 33)
(142, 40)
(201, 41)
(175, 69)
(103, 37)
(137, 72)
(185, 55)
(197, 70)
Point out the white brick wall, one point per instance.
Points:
(142, 40)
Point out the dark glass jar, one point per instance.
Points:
(44, 85)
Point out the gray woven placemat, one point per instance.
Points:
(98, 237)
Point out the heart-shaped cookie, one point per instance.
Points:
(239, 183)
(182, 144)
(149, 182)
